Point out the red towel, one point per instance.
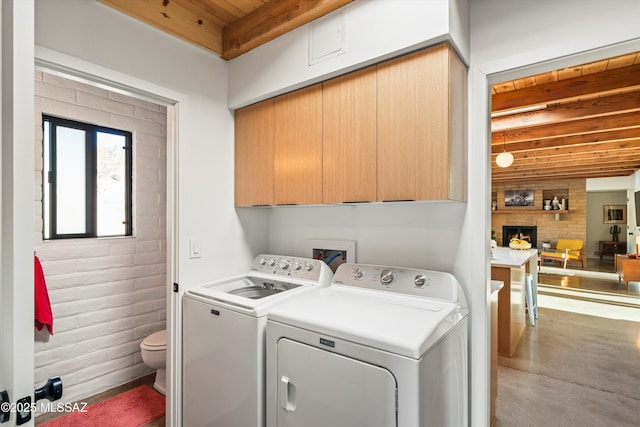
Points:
(43, 315)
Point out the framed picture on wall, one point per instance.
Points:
(615, 214)
(518, 197)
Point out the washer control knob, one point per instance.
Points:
(263, 261)
(296, 265)
(386, 277)
(420, 280)
(271, 262)
(358, 273)
(308, 266)
(283, 263)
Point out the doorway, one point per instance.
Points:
(55, 63)
(106, 293)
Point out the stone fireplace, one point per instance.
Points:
(524, 232)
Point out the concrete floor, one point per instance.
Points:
(572, 370)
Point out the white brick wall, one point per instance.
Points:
(106, 294)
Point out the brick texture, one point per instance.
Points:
(571, 225)
(107, 295)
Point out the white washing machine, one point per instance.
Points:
(223, 373)
(380, 347)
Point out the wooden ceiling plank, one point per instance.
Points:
(222, 9)
(568, 89)
(595, 67)
(544, 78)
(246, 6)
(175, 19)
(611, 104)
(525, 82)
(574, 127)
(569, 73)
(616, 135)
(620, 61)
(270, 21)
(586, 160)
(544, 148)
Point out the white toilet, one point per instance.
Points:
(154, 354)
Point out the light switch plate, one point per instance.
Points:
(195, 248)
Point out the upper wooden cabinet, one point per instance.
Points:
(298, 147)
(389, 132)
(421, 123)
(349, 137)
(254, 133)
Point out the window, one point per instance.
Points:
(87, 180)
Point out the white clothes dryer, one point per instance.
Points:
(380, 347)
(224, 322)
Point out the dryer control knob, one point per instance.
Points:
(283, 263)
(358, 273)
(263, 261)
(308, 266)
(420, 280)
(296, 265)
(271, 262)
(386, 277)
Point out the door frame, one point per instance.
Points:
(16, 254)
(70, 67)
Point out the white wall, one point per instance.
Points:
(610, 184)
(419, 235)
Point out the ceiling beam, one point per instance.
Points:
(614, 141)
(574, 127)
(593, 107)
(270, 21)
(568, 89)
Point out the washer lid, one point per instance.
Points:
(400, 324)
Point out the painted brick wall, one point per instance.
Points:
(572, 225)
(106, 294)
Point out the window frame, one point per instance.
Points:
(91, 193)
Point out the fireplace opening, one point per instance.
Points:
(524, 232)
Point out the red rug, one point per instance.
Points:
(133, 408)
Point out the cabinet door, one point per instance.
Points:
(413, 126)
(298, 147)
(254, 127)
(349, 137)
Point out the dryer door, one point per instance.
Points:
(317, 388)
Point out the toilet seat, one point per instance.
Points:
(155, 342)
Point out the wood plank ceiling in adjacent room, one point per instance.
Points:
(226, 27)
(578, 122)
